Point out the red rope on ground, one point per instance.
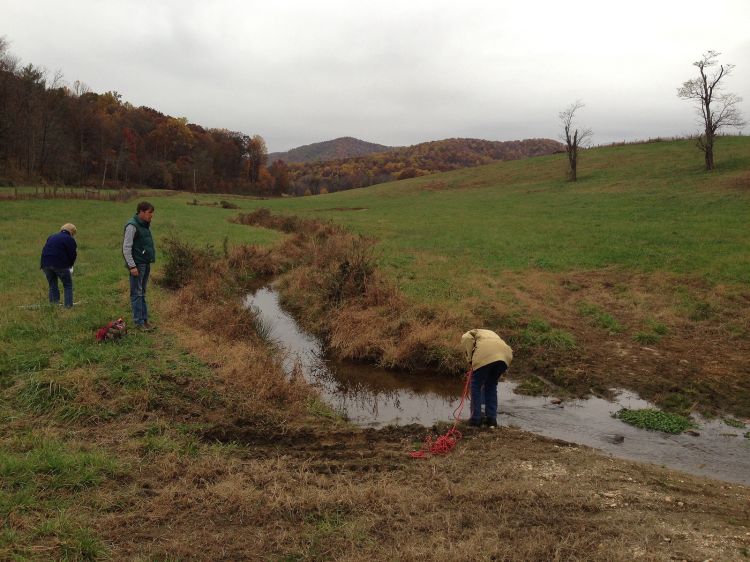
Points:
(445, 443)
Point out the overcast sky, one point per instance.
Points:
(392, 72)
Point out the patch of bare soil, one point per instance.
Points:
(345, 495)
(327, 450)
(676, 341)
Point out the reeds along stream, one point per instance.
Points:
(374, 397)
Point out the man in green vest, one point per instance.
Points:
(139, 253)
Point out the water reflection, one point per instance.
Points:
(368, 395)
(375, 397)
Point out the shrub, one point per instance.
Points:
(183, 261)
(539, 333)
(655, 420)
(352, 272)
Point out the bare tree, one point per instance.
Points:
(574, 138)
(705, 91)
(8, 61)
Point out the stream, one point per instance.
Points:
(373, 397)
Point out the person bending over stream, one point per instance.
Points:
(58, 257)
(489, 357)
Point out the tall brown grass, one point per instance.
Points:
(330, 279)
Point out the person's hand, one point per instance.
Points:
(134, 271)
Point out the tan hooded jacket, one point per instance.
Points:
(483, 347)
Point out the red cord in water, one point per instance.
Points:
(445, 443)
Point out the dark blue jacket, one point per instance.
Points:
(60, 251)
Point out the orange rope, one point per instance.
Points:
(447, 442)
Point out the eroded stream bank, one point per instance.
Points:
(369, 396)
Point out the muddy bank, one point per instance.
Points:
(375, 397)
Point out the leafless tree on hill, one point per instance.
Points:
(574, 137)
(8, 61)
(705, 91)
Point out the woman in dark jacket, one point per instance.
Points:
(58, 256)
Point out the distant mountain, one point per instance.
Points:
(344, 147)
(411, 161)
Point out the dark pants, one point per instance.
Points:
(63, 274)
(484, 390)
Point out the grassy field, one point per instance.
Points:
(638, 268)
(188, 443)
(645, 207)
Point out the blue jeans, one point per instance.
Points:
(63, 274)
(484, 390)
(138, 294)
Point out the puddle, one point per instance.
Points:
(374, 397)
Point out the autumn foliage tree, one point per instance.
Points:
(280, 173)
(257, 155)
(66, 134)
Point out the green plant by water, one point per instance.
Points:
(655, 420)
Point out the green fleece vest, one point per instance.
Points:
(143, 242)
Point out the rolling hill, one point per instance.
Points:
(344, 147)
(412, 161)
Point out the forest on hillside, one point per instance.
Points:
(409, 162)
(60, 134)
(53, 133)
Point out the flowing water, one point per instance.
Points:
(373, 397)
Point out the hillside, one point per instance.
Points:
(344, 147)
(412, 161)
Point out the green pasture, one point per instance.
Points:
(47, 353)
(648, 207)
(35, 335)
(25, 225)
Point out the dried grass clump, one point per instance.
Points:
(291, 223)
(208, 308)
(332, 284)
(252, 262)
(184, 262)
(252, 383)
